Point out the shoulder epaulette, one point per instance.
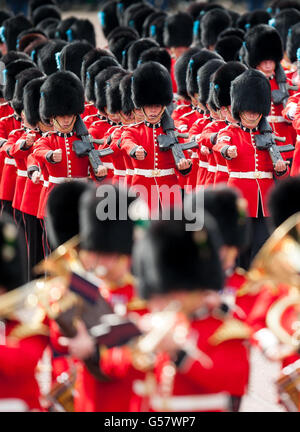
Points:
(97, 122)
(136, 124)
(230, 329)
(89, 116)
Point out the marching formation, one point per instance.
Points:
(149, 227)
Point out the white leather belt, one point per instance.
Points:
(207, 402)
(46, 183)
(108, 165)
(22, 173)
(298, 137)
(59, 180)
(129, 172)
(276, 119)
(203, 164)
(194, 155)
(222, 168)
(251, 175)
(212, 169)
(154, 172)
(9, 161)
(120, 172)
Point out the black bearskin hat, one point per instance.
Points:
(48, 26)
(4, 15)
(293, 43)
(108, 17)
(125, 54)
(196, 8)
(279, 5)
(197, 61)
(122, 31)
(62, 222)
(91, 57)
(232, 31)
(32, 96)
(284, 21)
(34, 4)
(93, 70)
(63, 26)
(98, 231)
(157, 30)
(119, 40)
(229, 210)
(180, 70)
(122, 5)
(136, 49)
(61, 94)
(71, 56)
(212, 24)
(256, 17)
(13, 267)
(152, 85)
(149, 21)
(82, 30)
(169, 258)
(242, 21)
(22, 79)
(47, 11)
(11, 28)
(250, 91)
(113, 93)
(178, 30)
(10, 73)
(126, 94)
(263, 42)
(46, 60)
(138, 18)
(234, 17)
(222, 79)
(229, 47)
(14, 55)
(100, 85)
(159, 55)
(204, 75)
(284, 200)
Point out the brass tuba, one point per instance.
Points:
(278, 262)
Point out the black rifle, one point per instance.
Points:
(266, 141)
(170, 141)
(281, 95)
(84, 147)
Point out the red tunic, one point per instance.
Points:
(5, 110)
(98, 130)
(18, 362)
(196, 131)
(249, 162)
(207, 134)
(157, 172)
(89, 109)
(296, 124)
(199, 387)
(32, 192)
(7, 125)
(184, 125)
(9, 172)
(113, 135)
(174, 84)
(71, 166)
(182, 106)
(279, 124)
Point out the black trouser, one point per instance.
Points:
(34, 238)
(259, 234)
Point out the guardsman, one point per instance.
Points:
(264, 52)
(180, 274)
(62, 99)
(251, 170)
(154, 169)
